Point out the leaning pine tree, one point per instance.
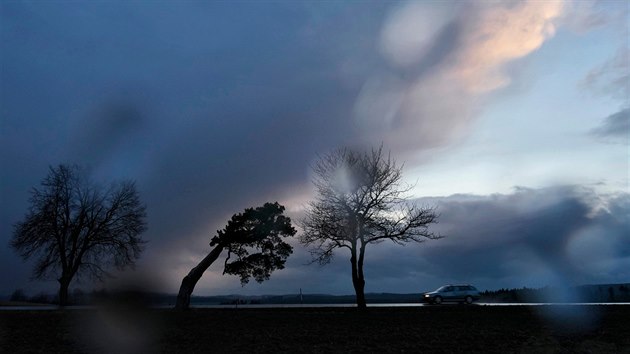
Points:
(255, 238)
(361, 201)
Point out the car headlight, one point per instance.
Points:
(426, 295)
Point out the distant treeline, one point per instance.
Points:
(76, 297)
(372, 298)
(584, 293)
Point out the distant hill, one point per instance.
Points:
(305, 299)
(583, 293)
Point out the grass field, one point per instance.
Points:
(444, 329)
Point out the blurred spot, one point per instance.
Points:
(123, 321)
(410, 31)
(343, 180)
(102, 132)
(121, 325)
(379, 102)
(591, 249)
(562, 315)
(570, 319)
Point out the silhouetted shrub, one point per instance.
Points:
(18, 295)
(41, 298)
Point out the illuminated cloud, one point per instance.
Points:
(443, 62)
(410, 32)
(499, 35)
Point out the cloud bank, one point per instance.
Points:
(214, 107)
(558, 236)
(443, 61)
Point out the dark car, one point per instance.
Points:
(452, 293)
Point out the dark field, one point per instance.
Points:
(444, 329)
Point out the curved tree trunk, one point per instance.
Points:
(360, 278)
(190, 280)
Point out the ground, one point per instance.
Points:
(444, 329)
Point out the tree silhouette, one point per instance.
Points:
(18, 295)
(257, 230)
(77, 228)
(361, 200)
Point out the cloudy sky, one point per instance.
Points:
(512, 117)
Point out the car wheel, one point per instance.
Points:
(437, 300)
(469, 300)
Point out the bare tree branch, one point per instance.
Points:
(361, 199)
(76, 228)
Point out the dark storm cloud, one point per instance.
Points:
(210, 107)
(612, 79)
(532, 238)
(554, 236)
(484, 232)
(615, 127)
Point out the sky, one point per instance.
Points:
(511, 118)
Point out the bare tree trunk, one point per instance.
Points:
(64, 283)
(357, 280)
(190, 280)
(359, 285)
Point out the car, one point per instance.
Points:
(465, 293)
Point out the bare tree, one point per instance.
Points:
(77, 228)
(361, 200)
(260, 230)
